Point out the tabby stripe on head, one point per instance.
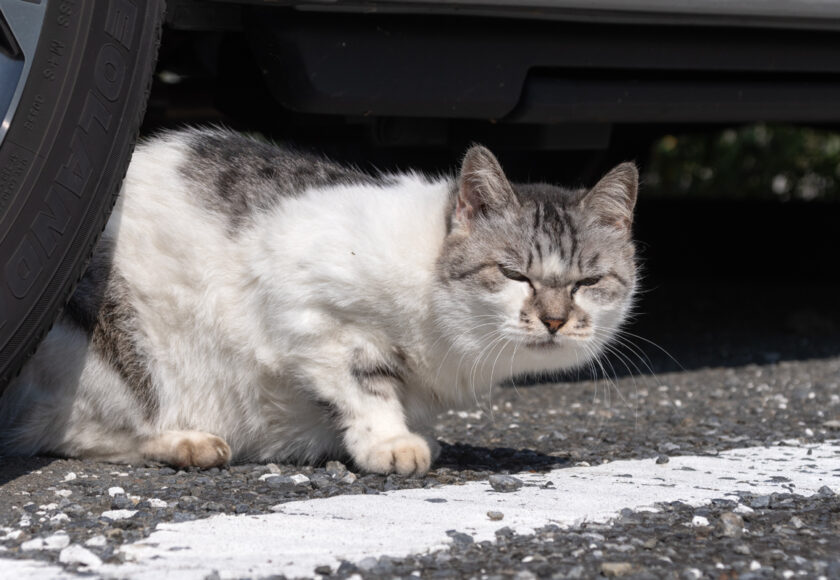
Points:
(573, 235)
(620, 279)
(473, 271)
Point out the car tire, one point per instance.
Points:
(69, 134)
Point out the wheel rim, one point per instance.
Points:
(20, 30)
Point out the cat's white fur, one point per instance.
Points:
(234, 325)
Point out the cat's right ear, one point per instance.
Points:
(612, 199)
(482, 186)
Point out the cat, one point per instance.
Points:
(248, 302)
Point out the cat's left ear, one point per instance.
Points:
(613, 198)
(483, 186)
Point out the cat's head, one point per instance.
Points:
(545, 271)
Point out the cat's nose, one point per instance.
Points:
(553, 324)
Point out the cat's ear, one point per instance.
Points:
(482, 187)
(613, 198)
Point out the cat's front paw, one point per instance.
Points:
(404, 454)
(188, 449)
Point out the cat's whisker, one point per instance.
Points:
(445, 334)
(610, 350)
(624, 360)
(596, 357)
(593, 360)
(497, 336)
(635, 350)
(617, 338)
(496, 360)
(465, 354)
(451, 346)
(650, 342)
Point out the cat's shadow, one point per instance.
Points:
(13, 467)
(465, 457)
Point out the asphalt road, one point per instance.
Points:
(736, 345)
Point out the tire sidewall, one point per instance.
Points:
(65, 154)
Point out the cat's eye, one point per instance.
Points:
(585, 282)
(513, 274)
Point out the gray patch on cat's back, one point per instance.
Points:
(238, 176)
(101, 307)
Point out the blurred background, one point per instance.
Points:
(732, 122)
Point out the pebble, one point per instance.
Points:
(742, 549)
(118, 514)
(616, 569)
(299, 479)
(505, 483)
(760, 502)
(699, 521)
(11, 534)
(662, 459)
(114, 491)
(731, 525)
(335, 469)
(797, 522)
(321, 481)
(76, 554)
(121, 502)
(826, 492)
(157, 503)
(56, 541)
(280, 482)
(97, 541)
(495, 516)
(367, 564)
(460, 537)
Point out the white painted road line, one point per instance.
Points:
(305, 534)
(32, 570)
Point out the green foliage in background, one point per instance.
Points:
(773, 162)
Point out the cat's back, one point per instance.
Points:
(232, 178)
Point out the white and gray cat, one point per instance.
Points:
(248, 302)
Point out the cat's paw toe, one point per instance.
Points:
(404, 455)
(201, 450)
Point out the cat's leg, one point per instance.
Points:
(381, 443)
(363, 402)
(186, 449)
